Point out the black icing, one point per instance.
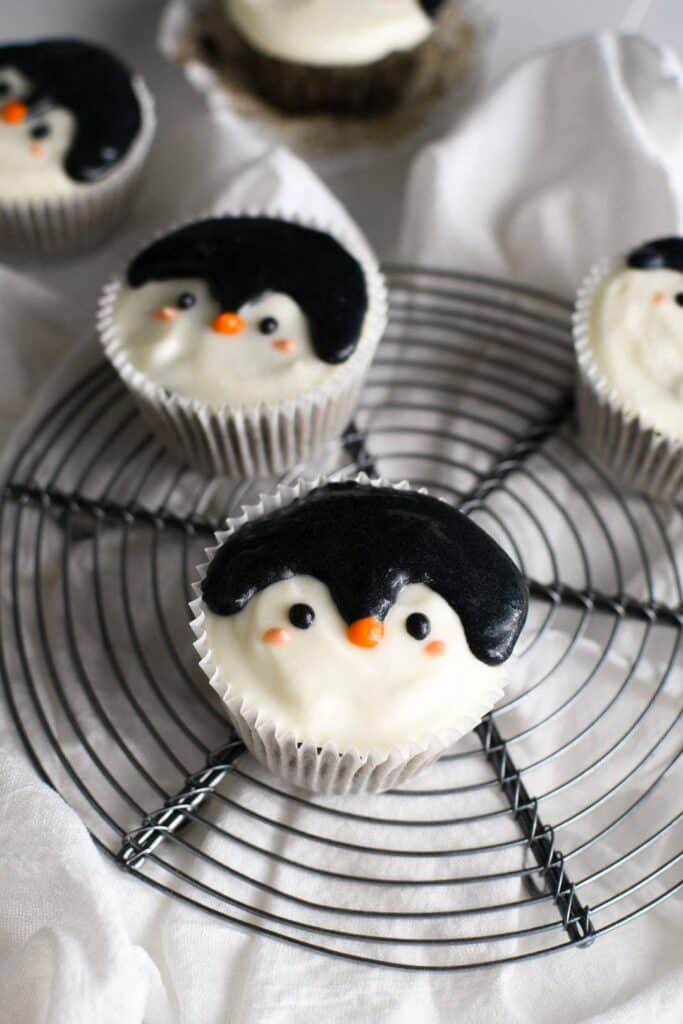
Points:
(662, 253)
(367, 543)
(431, 7)
(94, 85)
(241, 258)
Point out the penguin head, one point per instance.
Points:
(384, 569)
(276, 289)
(65, 103)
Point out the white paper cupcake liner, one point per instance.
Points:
(323, 769)
(68, 224)
(223, 78)
(245, 441)
(639, 457)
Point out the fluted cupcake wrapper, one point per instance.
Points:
(639, 457)
(262, 439)
(69, 224)
(324, 768)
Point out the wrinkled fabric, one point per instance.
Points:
(575, 155)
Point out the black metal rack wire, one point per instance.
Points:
(553, 824)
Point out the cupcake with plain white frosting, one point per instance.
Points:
(356, 57)
(628, 334)
(75, 129)
(245, 338)
(354, 631)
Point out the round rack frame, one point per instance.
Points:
(558, 820)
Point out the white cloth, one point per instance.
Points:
(576, 154)
(79, 941)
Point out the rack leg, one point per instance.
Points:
(177, 811)
(576, 917)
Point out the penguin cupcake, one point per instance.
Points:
(245, 339)
(355, 57)
(355, 630)
(628, 333)
(75, 130)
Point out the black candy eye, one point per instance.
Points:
(302, 616)
(679, 298)
(185, 300)
(4, 87)
(268, 325)
(39, 131)
(418, 625)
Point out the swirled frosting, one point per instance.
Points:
(331, 33)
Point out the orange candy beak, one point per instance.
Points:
(366, 632)
(14, 112)
(276, 636)
(228, 323)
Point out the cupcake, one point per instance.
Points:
(628, 335)
(355, 57)
(245, 339)
(355, 630)
(75, 129)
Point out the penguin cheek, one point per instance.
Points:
(36, 149)
(285, 345)
(435, 649)
(276, 636)
(166, 314)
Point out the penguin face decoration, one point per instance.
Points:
(33, 149)
(637, 333)
(68, 115)
(362, 615)
(236, 310)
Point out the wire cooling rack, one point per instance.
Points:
(554, 823)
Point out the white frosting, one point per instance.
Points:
(323, 688)
(187, 356)
(636, 334)
(34, 167)
(330, 33)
